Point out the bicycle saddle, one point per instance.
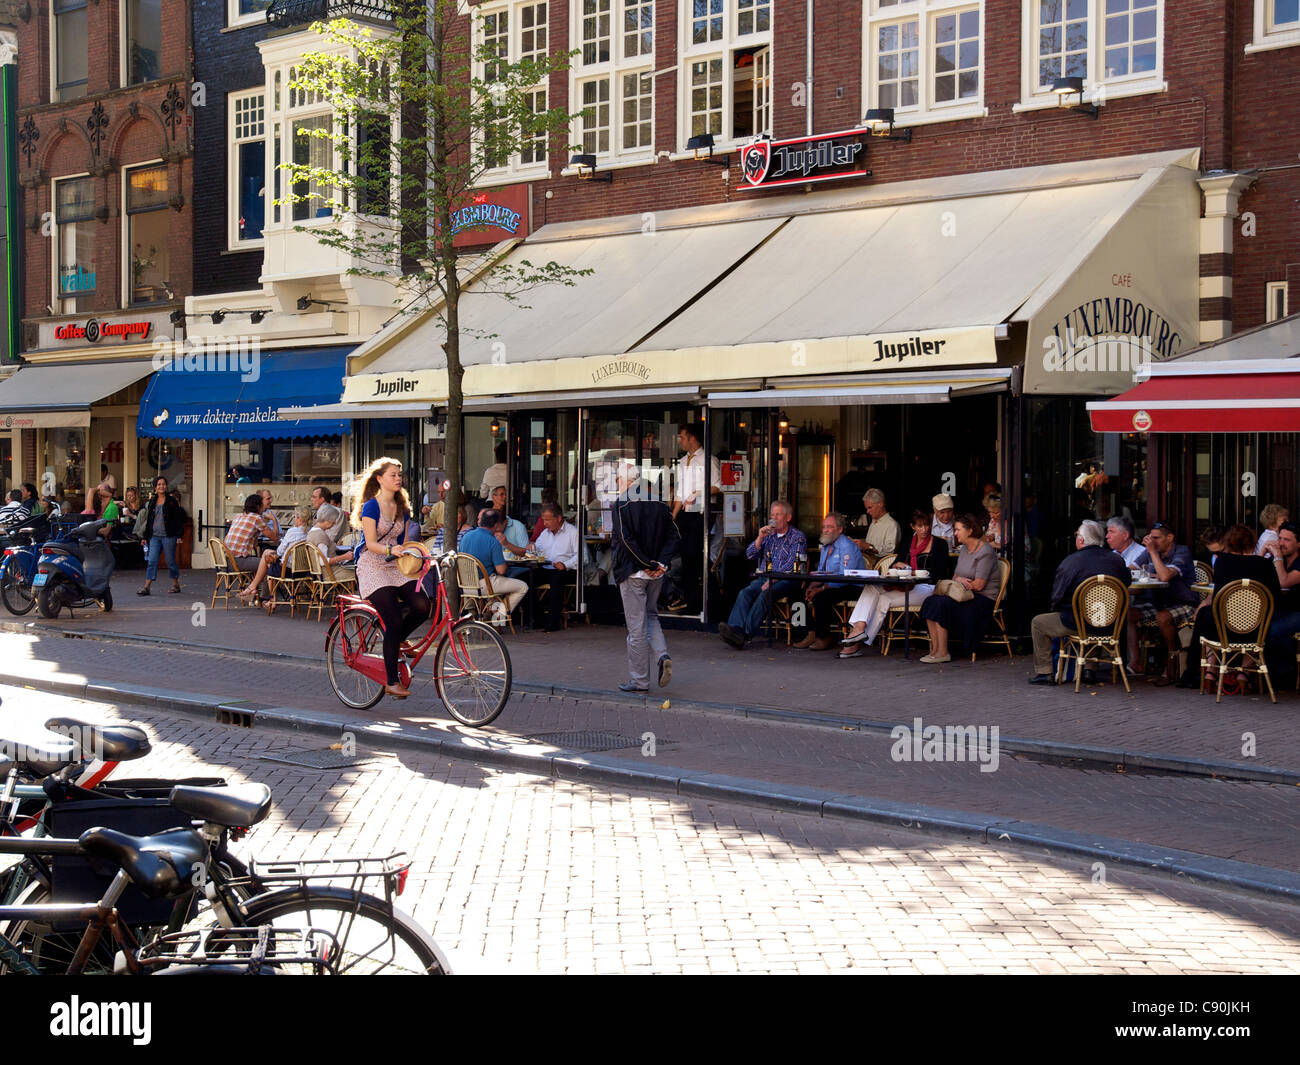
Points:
(159, 865)
(110, 743)
(38, 759)
(238, 806)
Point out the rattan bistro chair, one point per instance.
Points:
(999, 638)
(1242, 612)
(301, 569)
(1204, 574)
(1100, 606)
(476, 592)
(229, 577)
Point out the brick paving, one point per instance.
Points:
(992, 691)
(1249, 822)
(525, 874)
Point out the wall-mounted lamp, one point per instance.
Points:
(306, 301)
(177, 317)
(586, 167)
(880, 121)
(701, 146)
(218, 317)
(496, 425)
(256, 316)
(1067, 87)
(782, 421)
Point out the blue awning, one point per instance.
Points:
(206, 395)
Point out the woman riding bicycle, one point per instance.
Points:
(383, 511)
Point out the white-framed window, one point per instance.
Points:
(75, 228)
(141, 41)
(924, 58)
(1275, 301)
(246, 184)
(1277, 25)
(612, 78)
(515, 32)
(147, 226)
(246, 12)
(291, 116)
(1116, 46)
(69, 50)
(724, 77)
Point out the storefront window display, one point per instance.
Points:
(172, 459)
(63, 467)
(300, 461)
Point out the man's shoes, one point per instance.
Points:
(821, 644)
(665, 671)
(677, 606)
(806, 642)
(633, 688)
(1037, 678)
(736, 639)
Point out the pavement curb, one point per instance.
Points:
(1187, 866)
(1110, 758)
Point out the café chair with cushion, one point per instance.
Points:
(1100, 607)
(229, 577)
(1242, 612)
(999, 638)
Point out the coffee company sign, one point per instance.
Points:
(767, 163)
(135, 329)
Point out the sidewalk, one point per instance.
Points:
(253, 667)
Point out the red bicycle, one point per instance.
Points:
(471, 666)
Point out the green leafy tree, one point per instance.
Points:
(426, 105)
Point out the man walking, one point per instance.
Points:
(645, 540)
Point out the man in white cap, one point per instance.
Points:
(942, 523)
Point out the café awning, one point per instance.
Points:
(1255, 396)
(60, 396)
(939, 387)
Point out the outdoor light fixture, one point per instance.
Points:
(880, 121)
(782, 421)
(306, 301)
(218, 317)
(586, 167)
(177, 317)
(256, 316)
(496, 425)
(1067, 87)
(702, 147)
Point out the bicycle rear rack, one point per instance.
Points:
(254, 949)
(354, 871)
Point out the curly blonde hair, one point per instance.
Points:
(369, 488)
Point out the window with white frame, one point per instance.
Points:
(299, 126)
(924, 57)
(725, 76)
(1275, 301)
(71, 49)
(246, 12)
(1277, 24)
(1115, 46)
(613, 78)
(514, 33)
(75, 273)
(246, 207)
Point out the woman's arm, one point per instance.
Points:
(372, 537)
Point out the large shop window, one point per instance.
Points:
(173, 459)
(726, 73)
(143, 41)
(147, 231)
(247, 206)
(75, 270)
(1115, 44)
(928, 62)
(71, 50)
(306, 460)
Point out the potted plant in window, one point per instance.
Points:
(141, 263)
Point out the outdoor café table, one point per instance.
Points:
(906, 584)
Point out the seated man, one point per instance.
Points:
(241, 537)
(273, 562)
(513, 537)
(839, 553)
(483, 544)
(1119, 537)
(13, 511)
(777, 547)
(1167, 607)
(1284, 554)
(1091, 558)
(883, 534)
(433, 512)
(558, 545)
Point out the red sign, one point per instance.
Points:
(93, 330)
(492, 215)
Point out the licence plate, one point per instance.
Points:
(39, 580)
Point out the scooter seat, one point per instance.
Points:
(108, 743)
(238, 806)
(159, 865)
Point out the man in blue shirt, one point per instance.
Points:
(1169, 607)
(839, 553)
(776, 549)
(483, 544)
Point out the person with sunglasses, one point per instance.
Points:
(1283, 555)
(1171, 606)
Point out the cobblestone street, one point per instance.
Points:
(524, 874)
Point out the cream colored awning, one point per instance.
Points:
(61, 395)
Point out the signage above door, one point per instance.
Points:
(767, 163)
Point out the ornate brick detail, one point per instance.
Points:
(28, 135)
(173, 109)
(96, 124)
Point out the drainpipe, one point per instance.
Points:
(809, 82)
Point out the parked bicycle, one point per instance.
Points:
(471, 666)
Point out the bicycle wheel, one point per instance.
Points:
(471, 671)
(372, 936)
(16, 588)
(51, 951)
(358, 632)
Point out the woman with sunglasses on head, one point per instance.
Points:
(382, 512)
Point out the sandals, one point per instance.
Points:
(849, 641)
(852, 652)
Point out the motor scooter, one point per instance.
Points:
(74, 572)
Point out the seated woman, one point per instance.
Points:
(131, 503)
(1236, 562)
(924, 551)
(978, 571)
(272, 563)
(342, 568)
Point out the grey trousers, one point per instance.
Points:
(645, 639)
(1045, 628)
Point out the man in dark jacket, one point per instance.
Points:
(1091, 558)
(645, 540)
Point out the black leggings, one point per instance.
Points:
(388, 601)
